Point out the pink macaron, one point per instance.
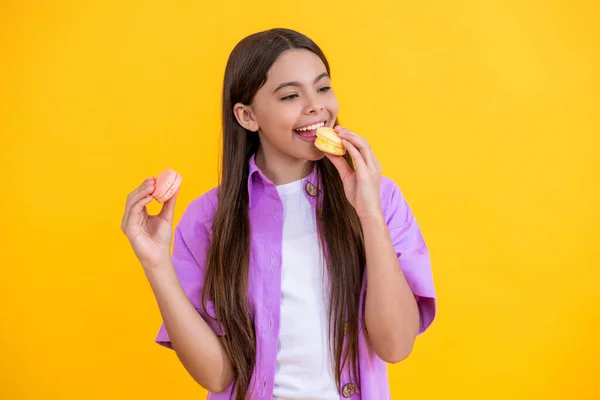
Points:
(167, 183)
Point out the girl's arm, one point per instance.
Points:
(391, 312)
(195, 343)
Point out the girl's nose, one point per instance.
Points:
(315, 108)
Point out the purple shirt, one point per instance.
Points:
(190, 249)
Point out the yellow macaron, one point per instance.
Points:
(329, 142)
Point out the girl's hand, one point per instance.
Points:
(150, 236)
(361, 185)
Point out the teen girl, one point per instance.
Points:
(302, 274)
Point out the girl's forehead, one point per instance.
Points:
(295, 65)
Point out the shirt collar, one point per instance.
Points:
(255, 175)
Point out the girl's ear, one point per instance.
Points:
(245, 117)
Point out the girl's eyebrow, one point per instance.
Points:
(286, 84)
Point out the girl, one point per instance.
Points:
(302, 273)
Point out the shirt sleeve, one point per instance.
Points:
(411, 250)
(190, 250)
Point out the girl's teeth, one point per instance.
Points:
(310, 128)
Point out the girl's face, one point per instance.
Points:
(296, 99)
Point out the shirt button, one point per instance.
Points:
(264, 385)
(348, 390)
(311, 189)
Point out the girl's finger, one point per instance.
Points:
(168, 209)
(341, 165)
(140, 192)
(361, 144)
(357, 157)
(136, 215)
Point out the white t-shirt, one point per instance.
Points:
(304, 368)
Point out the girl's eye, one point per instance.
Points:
(290, 97)
(294, 95)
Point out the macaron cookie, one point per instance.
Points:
(167, 183)
(329, 141)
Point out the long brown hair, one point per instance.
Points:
(339, 228)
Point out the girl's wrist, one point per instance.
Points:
(371, 218)
(159, 266)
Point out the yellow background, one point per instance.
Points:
(484, 112)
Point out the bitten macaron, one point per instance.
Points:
(329, 141)
(166, 185)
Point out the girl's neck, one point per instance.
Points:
(281, 169)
